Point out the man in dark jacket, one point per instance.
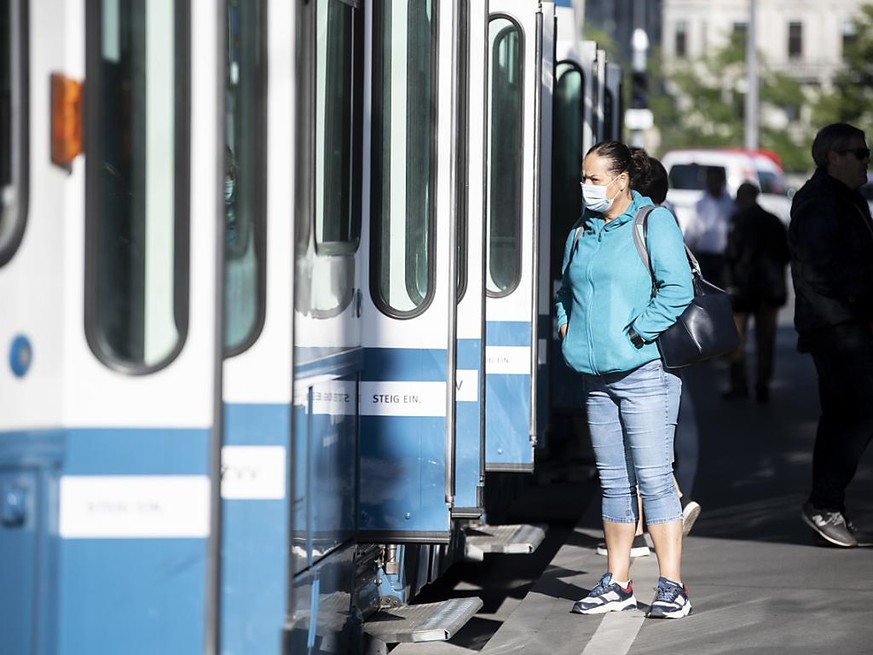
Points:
(831, 242)
(756, 257)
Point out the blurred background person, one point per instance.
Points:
(755, 266)
(686, 444)
(707, 234)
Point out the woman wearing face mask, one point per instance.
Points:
(608, 317)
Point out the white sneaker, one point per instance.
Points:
(690, 512)
(607, 596)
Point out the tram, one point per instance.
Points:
(276, 283)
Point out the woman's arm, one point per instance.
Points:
(671, 273)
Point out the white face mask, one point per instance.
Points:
(595, 197)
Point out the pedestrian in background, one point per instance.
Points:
(830, 238)
(755, 278)
(707, 234)
(655, 183)
(608, 320)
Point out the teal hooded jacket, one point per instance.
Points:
(606, 289)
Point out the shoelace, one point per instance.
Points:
(599, 588)
(834, 518)
(667, 593)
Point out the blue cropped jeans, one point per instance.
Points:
(632, 420)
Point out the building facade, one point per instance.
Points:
(800, 38)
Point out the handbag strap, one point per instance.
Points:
(640, 229)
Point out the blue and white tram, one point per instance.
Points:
(275, 289)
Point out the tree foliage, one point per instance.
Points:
(702, 103)
(851, 99)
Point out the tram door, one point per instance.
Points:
(326, 323)
(108, 432)
(258, 171)
(519, 81)
(575, 110)
(472, 26)
(409, 278)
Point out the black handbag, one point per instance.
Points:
(706, 328)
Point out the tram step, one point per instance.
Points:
(425, 622)
(482, 538)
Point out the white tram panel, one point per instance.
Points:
(32, 282)
(516, 305)
(429, 328)
(95, 395)
(260, 374)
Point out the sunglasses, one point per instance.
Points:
(860, 153)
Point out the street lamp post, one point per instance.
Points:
(751, 105)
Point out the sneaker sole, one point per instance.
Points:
(689, 519)
(629, 604)
(819, 532)
(685, 611)
(639, 551)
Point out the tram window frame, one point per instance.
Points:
(566, 194)
(245, 245)
(120, 324)
(337, 207)
(499, 109)
(14, 126)
(417, 240)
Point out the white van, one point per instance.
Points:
(687, 171)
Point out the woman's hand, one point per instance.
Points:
(563, 331)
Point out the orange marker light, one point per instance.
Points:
(66, 120)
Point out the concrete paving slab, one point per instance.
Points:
(757, 580)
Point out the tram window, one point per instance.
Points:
(337, 213)
(13, 127)
(403, 161)
(505, 183)
(244, 175)
(463, 153)
(137, 225)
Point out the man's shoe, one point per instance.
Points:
(671, 601)
(639, 548)
(690, 512)
(829, 525)
(607, 596)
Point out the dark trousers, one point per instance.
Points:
(843, 357)
(711, 267)
(765, 340)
